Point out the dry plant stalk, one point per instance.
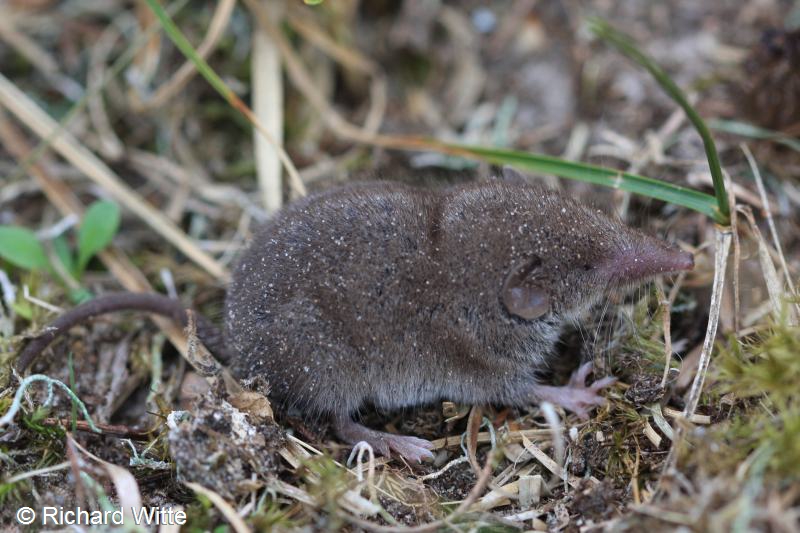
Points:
(464, 506)
(68, 203)
(28, 112)
(182, 76)
(722, 249)
(774, 286)
(224, 507)
(268, 107)
(722, 246)
(665, 309)
(303, 82)
(770, 221)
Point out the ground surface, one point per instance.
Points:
(526, 75)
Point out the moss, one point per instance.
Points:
(758, 377)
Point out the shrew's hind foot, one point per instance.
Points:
(411, 448)
(576, 396)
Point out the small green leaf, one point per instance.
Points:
(100, 224)
(23, 309)
(20, 247)
(79, 295)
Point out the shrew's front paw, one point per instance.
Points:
(576, 396)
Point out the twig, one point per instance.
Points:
(106, 429)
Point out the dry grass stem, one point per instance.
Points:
(38, 56)
(184, 74)
(551, 465)
(664, 302)
(302, 20)
(110, 145)
(776, 242)
(67, 203)
(722, 246)
(268, 107)
(224, 507)
(67, 146)
(775, 288)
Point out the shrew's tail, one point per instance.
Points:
(173, 309)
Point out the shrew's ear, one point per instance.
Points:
(523, 295)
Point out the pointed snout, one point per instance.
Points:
(653, 259)
(682, 260)
(662, 259)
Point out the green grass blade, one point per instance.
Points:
(97, 230)
(744, 129)
(116, 67)
(668, 192)
(628, 47)
(216, 82)
(188, 50)
(615, 179)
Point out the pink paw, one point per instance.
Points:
(411, 448)
(576, 396)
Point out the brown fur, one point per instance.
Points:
(389, 294)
